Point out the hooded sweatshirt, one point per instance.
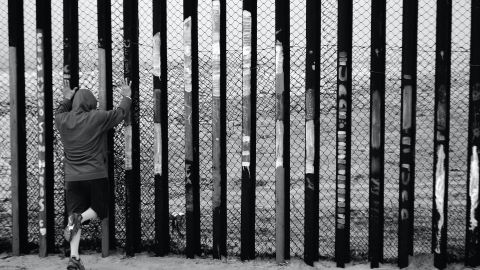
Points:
(83, 130)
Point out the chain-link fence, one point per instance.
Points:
(265, 175)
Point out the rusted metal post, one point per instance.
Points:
(407, 133)
(472, 241)
(282, 125)
(312, 131)
(442, 130)
(219, 132)
(192, 174)
(344, 126)
(249, 127)
(18, 140)
(160, 120)
(132, 128)
(106, 103)
(45, 127)
(377, 133)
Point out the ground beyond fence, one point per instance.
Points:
(266, 120)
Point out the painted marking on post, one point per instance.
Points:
(156, 55)
(41, 133)
(216, 48)
(128, 147)
(187, 46)
(474, 188)
(440, 193)
(279, 144)
(342, 140)
(246, 52)
(310, 147)
(157, 145)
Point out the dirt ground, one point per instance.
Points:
(145, 261)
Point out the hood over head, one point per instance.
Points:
(84, 101)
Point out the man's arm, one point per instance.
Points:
(68, 93)
(65, 106)
(115, 117)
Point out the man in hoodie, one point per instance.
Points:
(83, 130)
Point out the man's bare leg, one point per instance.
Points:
(74, 244)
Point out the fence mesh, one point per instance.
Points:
(265, 190)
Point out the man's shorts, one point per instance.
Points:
(82, 195)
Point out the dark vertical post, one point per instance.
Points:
(106, 103)
(17, 127)
(442, 129)
(45, 127)
(219, 132)
(282, 137)
(160, 119)
(132, 132)
(192, 174)
(312, 130)
(70, 59)
(344, 126)
(472, 241)
(407, 132)
(377, 132)
(70, 42)
(249, 127)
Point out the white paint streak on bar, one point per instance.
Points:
(216, 48)
(128, 147)
(279, 144)
(156, 55)
(246, 52)
(376, 121)
(187, 48)
(474, 188)
(278, 58)
(407, 109)
(246, 139)
(279, 88)
(102, 79)
(310, 147)
(440, 192)
(157, 158)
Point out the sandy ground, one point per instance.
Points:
(144, 261)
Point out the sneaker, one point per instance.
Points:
(74, 264)
(74, 223)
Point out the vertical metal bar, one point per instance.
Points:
(312, 130)
(377, 132)
(45, 127)
(132, 129)
(472, 241)
(282, 138)
(17, 127)
(219, 153)
(407, 133)
(344, 112)
(192, 175)
(70, 60)
(442, 129)
(106, 103)
(70, 42)
(249, 127)
(160, 119)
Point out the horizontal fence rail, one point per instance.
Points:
(223, 94)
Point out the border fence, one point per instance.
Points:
(313, 129)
